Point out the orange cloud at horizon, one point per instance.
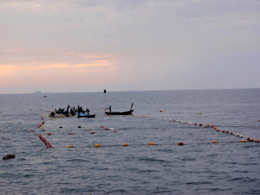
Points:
(60, 74)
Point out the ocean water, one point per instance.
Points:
(197, 167)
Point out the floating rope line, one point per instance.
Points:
(150, 144)
(48, 145)
(214, 127)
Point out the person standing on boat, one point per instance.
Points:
(87, 111)
(109, 108)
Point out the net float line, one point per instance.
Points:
(154, 144)
(212, 126)
(40, 124)
(48, 145)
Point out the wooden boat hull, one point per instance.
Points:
(120, 113)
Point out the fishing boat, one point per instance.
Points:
(86, 116)
(120, 113)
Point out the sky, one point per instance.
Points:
(128, 45)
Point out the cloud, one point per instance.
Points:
(146, 43)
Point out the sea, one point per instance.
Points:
(157, 150)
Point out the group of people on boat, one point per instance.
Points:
(70, 110)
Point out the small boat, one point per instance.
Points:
(86, 116)
(120, 113)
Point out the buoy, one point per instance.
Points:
(180, 143)
(207, 125)
(68, 146)
(248, 138)
(125, 144)
(106, 128)
(101, 126)
(243, 141)
(231, 132)
(96, 145)
(8, 156)
(237, 135)
(257, 141)
(43, 129)
(217, 130)
(92, 132)
(165, 119)
(241, 136)
(30, 130)
(195, 123)
(48, 133)
(115, 131)
(151, 143)
(227, 131)
(48, 145)
(60, 126)
(199, 113)
(112, 128)
(161, 111)
(87, 129)
(79, 126)
(223, 131)
(251, 140)
(69, 133)
(200, 124)
(214, 142)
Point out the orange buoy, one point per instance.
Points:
(48, 133)
(151, 143)
(243, 141)
(214, 142)
(180, 143)
(96, 145)
(68, 146)
(125, 144)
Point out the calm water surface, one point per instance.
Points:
(197, 167)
